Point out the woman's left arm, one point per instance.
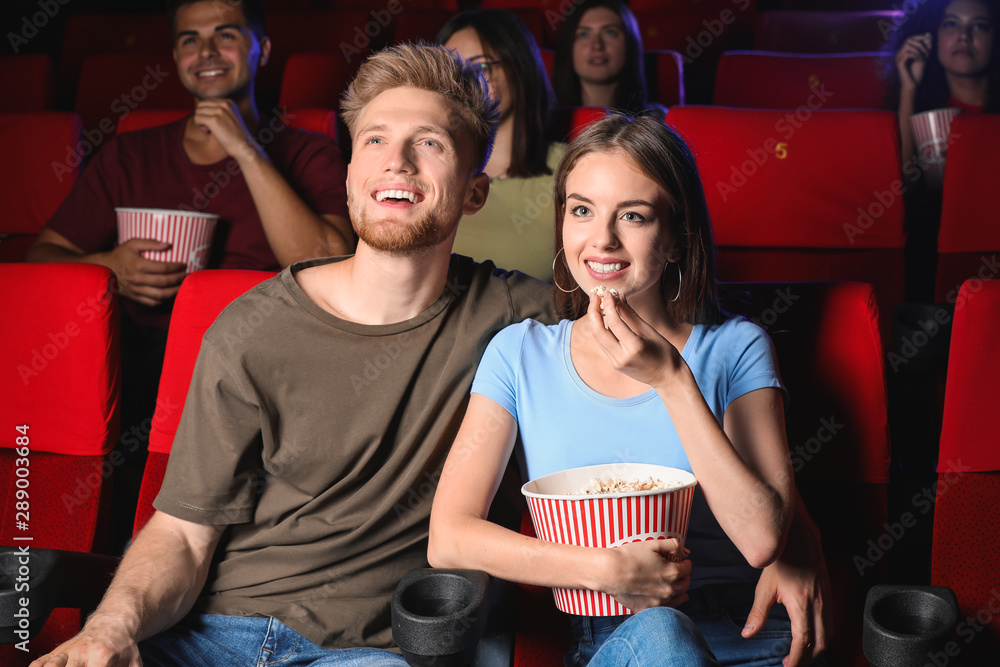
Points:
(743, 467)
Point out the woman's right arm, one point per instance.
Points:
(639, 575)
(910, 62)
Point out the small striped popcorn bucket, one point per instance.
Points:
(930, 138)
(563, 511)
(188, 232)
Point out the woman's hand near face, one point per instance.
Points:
(632, 345)
(911, 59)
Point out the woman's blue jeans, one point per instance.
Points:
(705, 630)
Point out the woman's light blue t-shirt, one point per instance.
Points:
(563, 423)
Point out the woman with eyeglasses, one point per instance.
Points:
(599, 59)
(515, 228)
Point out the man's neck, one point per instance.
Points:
(375, 287)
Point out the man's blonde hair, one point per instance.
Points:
(428, 67)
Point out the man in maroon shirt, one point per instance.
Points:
(279, 193)
(278, 203)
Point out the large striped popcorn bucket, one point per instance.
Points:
(930, 138)
(564, 511)
(189, 233)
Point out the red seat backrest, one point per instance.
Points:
(27, 82)
(100, 34)
(768, 80)
(142, 119)
(323, 121)
(113, 85)
(966, 544)
(825, 31)
(316, 79)
(565, 123)
(421, 24)
(348, 34)
(804, 195)
(38, 167)
(60, 374)
(969, 236)
(203, 295)
(665, 76)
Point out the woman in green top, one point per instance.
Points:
(515, 228)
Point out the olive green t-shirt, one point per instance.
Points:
(319, 442)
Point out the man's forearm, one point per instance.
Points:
(294, 231)
(159, 578)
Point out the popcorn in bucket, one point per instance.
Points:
(626, 502)
(188, 232)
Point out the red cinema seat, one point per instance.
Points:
(665, 77)
(113, 86)
(767, 80)
(349, 35)
(803, 195)
(420, 5)
(826, 335)
(969, 237)
(142, 119)
(567, 122)
(104, 34)
(60, 415)
(27, 83)
(316, 79)
(38, 167)
(825, 31)
(203, 295)
(966, 544)
(323, 121)
(421, 24)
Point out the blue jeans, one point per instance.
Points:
(253, 641)
(657, 637)
(717, 613)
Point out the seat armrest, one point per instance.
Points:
(33, 582)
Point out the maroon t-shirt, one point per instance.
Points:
(149, 169)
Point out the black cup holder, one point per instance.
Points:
(904, 624)
(438, 616)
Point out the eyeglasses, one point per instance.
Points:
(486, 66)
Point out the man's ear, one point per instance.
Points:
(476, 193)
(265, 51)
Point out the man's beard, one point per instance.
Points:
(394, 237)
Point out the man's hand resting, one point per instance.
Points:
(144, 280)
(106, 646)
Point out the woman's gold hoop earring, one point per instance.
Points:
(567, 291)
(679, 277)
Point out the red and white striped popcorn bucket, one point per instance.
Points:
(189, 233)
(563, 512)
(930, 138)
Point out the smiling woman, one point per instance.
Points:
(691, 388)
